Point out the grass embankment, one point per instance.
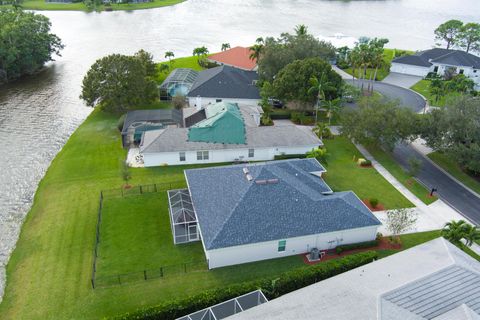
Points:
(387, 161)
(185, 62)
(449, 165)
(80, 6)
(422, 87)
(53, 257)
(343, 173)
(388, 55)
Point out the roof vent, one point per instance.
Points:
(245, 170)
(272, 181)
(261, 181)
(249, 177)
(266, 181)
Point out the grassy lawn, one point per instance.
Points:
(388, 55)
(135, 235)
(53, 258)
(386, 160)
(343, 173)
(80, 6)
(454, 169)
(422, 87)
(185, 62)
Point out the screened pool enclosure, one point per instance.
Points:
(182, 217)
(178, 83)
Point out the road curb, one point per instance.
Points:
(445, 172)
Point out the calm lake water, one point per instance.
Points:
(38, 115)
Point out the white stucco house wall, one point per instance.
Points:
(269, 210)
(438, 61)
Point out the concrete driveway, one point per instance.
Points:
(401, 80)
(406, 97)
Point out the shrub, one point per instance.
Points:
(373, 202)
(120, 122)
(266, 121)
(281, 115)
(379, 236)
(290, 156)
(272, 288)
(179, 102)
(365, 163)
(354, 246)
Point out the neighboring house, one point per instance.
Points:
(238, 57)
(438, 61)
(223, 136)
(224, 83)
(139, 121)
(434, 280)
(269, 210)
(178, 83)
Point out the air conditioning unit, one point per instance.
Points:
(314, 254)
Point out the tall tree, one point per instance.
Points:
(146, 59)
(399, 221)
(225, 46)
(454, 130)
(256, 51)
(301, 30)
(294, 82)
(449, 32)
(169, 55)
(469, 37)
(26, 43)
(277, 53)
(200, 51)
(379, 122)
(117, 83)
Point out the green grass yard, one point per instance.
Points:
(343, 173)
(49, 271)
(449, 165)
(388, 56)
(80, 6)
(422, 87)
(387, 161)
(185, 62)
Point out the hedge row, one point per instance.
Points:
(290, 156)
(359, 245)
(271, 287)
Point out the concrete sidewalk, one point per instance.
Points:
(430, 217)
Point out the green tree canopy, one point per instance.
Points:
(449, 32)
(455, 131)
(470, 36)
(118, 82)
(277, 53)
(26, 43)
(293, 83)
(379, 122)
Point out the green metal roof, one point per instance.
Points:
(224, 124)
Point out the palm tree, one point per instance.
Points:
(255, 51)
(318, 153)
(260, 40)
(169, 55)
(318, 87)
(454, 231)
(301, 30)
(200, 51)
(319, 129)
(472, 234)
(225, 46)
(333, 107)
(437, 89)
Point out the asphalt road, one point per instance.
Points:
(406, 97)
(449, 190)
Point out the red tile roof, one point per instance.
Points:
(237, 57)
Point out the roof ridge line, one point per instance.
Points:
(156, 138)
(233, 210)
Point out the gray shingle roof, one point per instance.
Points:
(176, 139)
(226, 82)
(439, 55)
(232, 210)
(165, 116)
(437, 293)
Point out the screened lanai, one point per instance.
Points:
(178, 83)
(182, 217)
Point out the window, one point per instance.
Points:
(202, 155)
(461, 71)
(435, 69)
(251, 153)
(282, 244)
(218, 100)
(182, 156)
